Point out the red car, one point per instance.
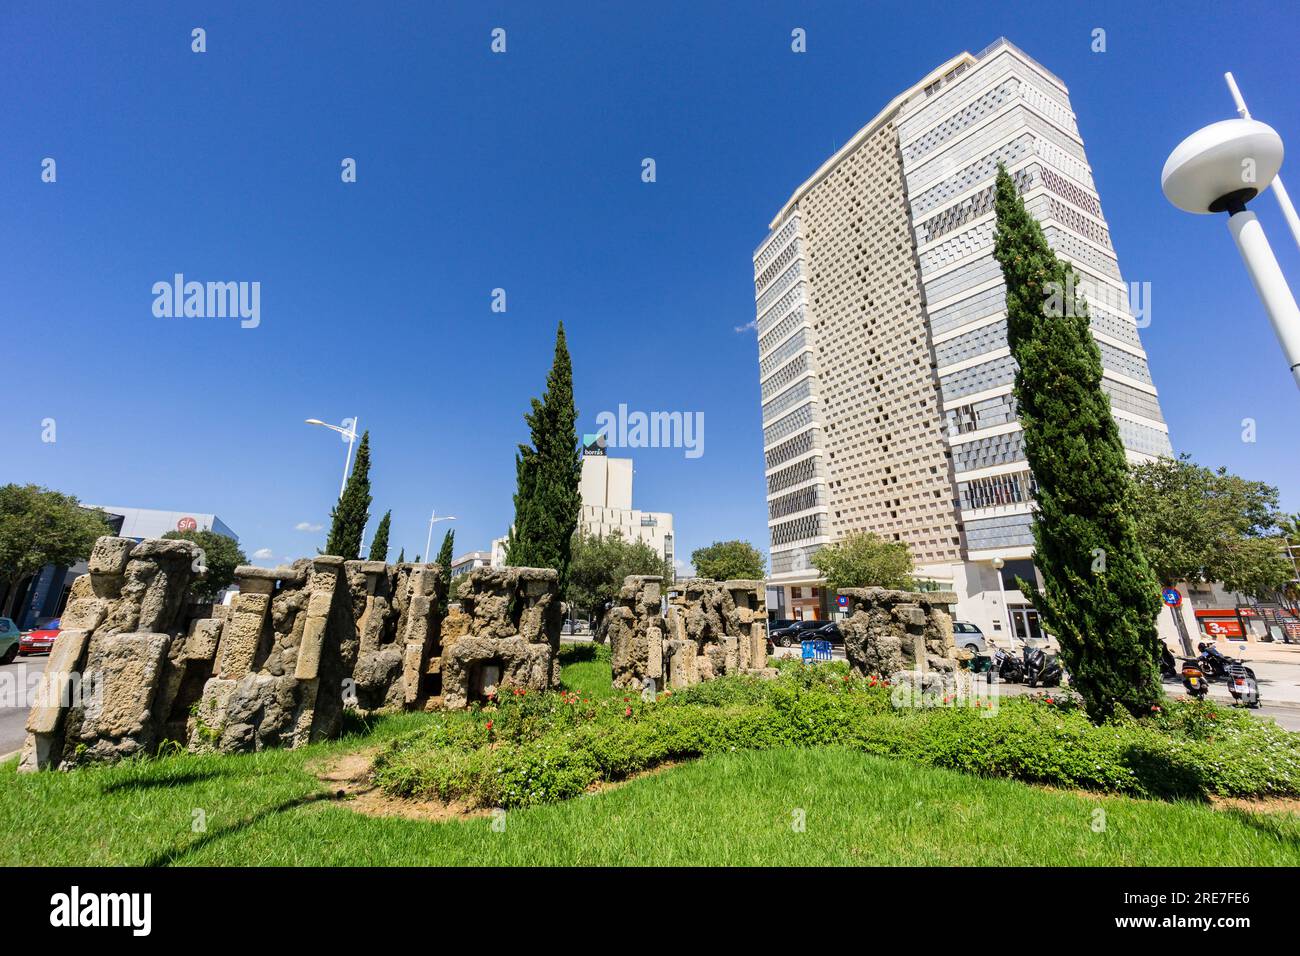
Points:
(39, 641)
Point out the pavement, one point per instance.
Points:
(16, 682)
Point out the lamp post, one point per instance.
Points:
(1283, 198)
(428, 542)
(351, 435)
(1219, 169)
(998, 565)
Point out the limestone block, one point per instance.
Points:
(242, 634)
(54, 693)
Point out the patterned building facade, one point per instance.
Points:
(881, 316)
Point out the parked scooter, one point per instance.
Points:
(1242, 684)
(1168, 665)
(1008, 667)
(1040, 668)
(1194, 678)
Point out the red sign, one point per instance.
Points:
(1222, 628)
(187, 524)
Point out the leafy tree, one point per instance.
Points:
(444, 565)
(221, 555)
(1201, 525)
(352, 512)
(40, 527)
(1100, 596)
(599, 565)
(862, 560)
(379, 546)
(728, 560)
(547, 500)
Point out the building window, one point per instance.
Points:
(796, 594)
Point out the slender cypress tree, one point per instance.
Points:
(401, 558)
(547, 500)
(379, 546)
(350, 514)
(444, 566)
(1100, 597)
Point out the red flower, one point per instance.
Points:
(489, 725)
(628, 712)
(1049, 700)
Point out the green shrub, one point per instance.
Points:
(531, 748)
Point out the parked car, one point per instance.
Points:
(39, 640)
(829, 632)
(9, 638)
(575, 627)
(969, 636)
(792, 635)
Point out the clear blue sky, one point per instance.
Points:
(522, 171)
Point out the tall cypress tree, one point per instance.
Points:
(547, 500)
(1100, 597)
(401, 558)
(379, 546)
(444, 567)
(350, 514)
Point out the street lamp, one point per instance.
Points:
(429, 540)
(1219, 169)
(350, 435)
(998, 565)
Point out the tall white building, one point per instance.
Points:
(606, 488)
(885, 373)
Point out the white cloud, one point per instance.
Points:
(748, 326)
(263, 554)
(307, 526)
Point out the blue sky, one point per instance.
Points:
(522, 171)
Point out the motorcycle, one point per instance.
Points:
(1213, 662)
(1194, 678)
(1008, 667)
(1040, 668)
(1242, 684)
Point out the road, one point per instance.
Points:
(15, 683)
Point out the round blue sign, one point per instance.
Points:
(843, 600)
(1172, 597)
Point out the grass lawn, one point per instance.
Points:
(732, 808)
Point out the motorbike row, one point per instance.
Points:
(1211, 665)
(1035, 668)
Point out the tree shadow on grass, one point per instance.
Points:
(1275, 826)
(175, 855)
(1164, 778)
(198, 775)
(580, 653)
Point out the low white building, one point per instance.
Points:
(607, 506)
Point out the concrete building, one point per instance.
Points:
(470, 560)
(881, 314)
(606, 487)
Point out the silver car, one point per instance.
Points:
(968, 636)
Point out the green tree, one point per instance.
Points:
(379, 545)
(599, 565)
(729, 560)
(1100, 596)
(444, 567)
(1201, 525)
(401, 558)
(352, 512)
(221, 555)
(547, 500)
(40, 527)
(862, 559)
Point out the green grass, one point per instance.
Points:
(731, 807)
